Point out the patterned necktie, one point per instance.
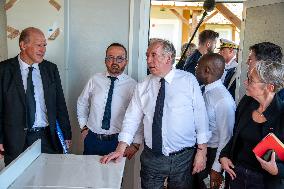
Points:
(157, 120)
(107, 113)
(30, 100)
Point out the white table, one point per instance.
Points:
(60, 171)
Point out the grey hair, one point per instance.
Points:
(271, 72)
(167, 46)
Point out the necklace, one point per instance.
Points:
(261, 114)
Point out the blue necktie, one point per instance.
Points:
(107, 113)
(157, 120)
(30, 100)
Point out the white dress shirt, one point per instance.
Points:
(41, 112)
(91, 103)
(221, 108)
(184, 119)
(232, 64)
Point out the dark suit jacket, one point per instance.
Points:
(229, 76)
(275, 124)
(191, 62)
(13, 108)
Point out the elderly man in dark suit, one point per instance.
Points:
(31, 100)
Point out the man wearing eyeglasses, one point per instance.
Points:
(102, 105)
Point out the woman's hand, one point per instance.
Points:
(269, 166)
(228, 166)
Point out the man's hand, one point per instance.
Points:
(1, 151)
(84, 133)
(68, 143)
(228, 166)
(116, 155)
(199, 163)
(131, 150)
(216, 179)
(269, 166)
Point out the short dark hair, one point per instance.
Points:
(267, 50)
(117, 45)
(216, 62)
(207, 35)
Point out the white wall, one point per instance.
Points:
(263, 21)
(40, 14)
(167, 29)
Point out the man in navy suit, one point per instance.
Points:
(229, 49)
(31, 100)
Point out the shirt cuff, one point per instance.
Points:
(125, 137)
(82, 122)
(203, 138)
(217, 167)
(138, 139)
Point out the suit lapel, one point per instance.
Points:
(18, 79)
(44, 78)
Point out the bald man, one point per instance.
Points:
(220, 107)
(31, 100)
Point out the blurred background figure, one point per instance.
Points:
(229, 49)
(192, 47)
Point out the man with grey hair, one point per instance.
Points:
(171, 106)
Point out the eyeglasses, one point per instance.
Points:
(250, 80)
(118, 59)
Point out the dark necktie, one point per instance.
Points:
(157, 120)
(107, 113)
(30, 100)
(203, 89)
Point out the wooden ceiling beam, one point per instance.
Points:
(209, 17)
(227, 13)
(182, 7)
(180, 17)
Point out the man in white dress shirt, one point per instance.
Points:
(102, 105)
(171, 106)
(221, 113)
(229, 49)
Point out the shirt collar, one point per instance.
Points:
(24, 65)
(213, 85)
(169, 77)
(232, 64)
(119, 77)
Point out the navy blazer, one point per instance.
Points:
(13, 106)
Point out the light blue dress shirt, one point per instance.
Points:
(41, 112)
(221, 108)
(184, 119)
